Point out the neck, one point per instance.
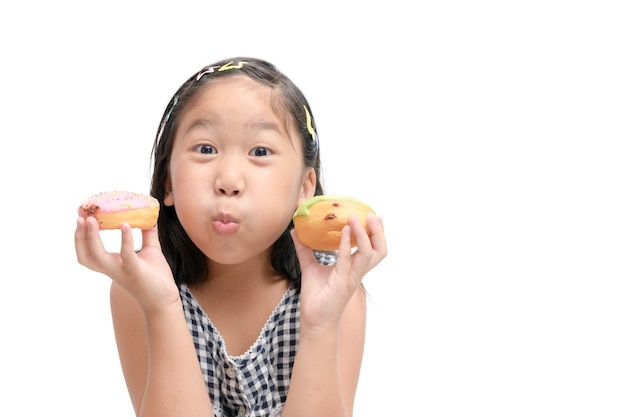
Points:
(249, 275)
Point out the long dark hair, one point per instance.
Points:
(188, 263)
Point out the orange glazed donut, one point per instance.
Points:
(319, 220)
(112, 208)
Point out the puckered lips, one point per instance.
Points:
(225, 224)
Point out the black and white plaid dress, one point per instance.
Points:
(254, 384)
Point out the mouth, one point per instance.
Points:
(225, 224)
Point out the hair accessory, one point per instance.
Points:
(169, 113)
(167, 117)
(220, 68)
(309, 126)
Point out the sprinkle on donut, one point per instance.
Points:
(111, 208)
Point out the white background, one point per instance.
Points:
(488, 134)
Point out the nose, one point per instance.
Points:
(229, 181)
(228, 192)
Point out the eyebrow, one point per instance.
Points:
(199, 123)
(260, 125)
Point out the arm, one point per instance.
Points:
(158, 359)
(156, 351)
(332, 325)
(351, 345)
(328, 364)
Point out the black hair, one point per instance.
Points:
(188, 263)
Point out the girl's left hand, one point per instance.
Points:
(326, 290)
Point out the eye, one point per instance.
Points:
(260, 151)
(206, 149)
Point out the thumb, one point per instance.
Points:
(304, 253)
(150, 238)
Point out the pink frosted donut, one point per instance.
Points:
(111, 208)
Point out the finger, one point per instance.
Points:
(127, 251)
(379, 242)
(90, 248)
(362, 256)
(80, 242)
(379, 219)
(303, 252)
(344, 251)
(150, 238)
(362, 238)
(93, 239)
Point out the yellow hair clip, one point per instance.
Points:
(309, 125)
(220, 68)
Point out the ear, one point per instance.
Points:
(168, 199)
(307, 190)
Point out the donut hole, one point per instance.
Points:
(112, 240)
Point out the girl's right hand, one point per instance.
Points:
(144, 274)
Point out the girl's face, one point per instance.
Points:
(236, 175)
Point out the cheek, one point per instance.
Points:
(287, 191)
(182, 171)
(183, 184)
(272, 221)
(278, 201)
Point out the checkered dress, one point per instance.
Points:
(254, 384)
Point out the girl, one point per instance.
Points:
(222, 298)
